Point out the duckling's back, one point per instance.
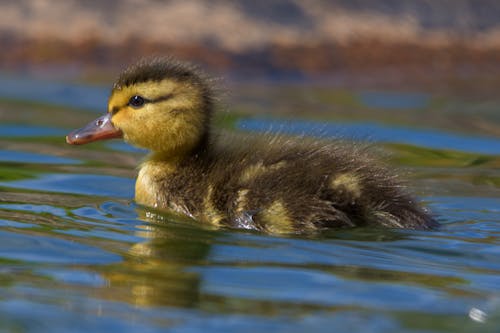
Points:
(283, 186)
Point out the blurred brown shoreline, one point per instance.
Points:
(357, 62)
(389, 42)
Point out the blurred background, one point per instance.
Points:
(419, 79)
(275, 39)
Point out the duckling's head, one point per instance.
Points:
(159, 104)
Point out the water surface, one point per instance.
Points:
(78, 255)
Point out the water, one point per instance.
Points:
(78, 255)
(379, 133)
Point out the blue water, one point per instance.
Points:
(394, 100)
(77, 255)
(56, 93)
(79, 184)
(378, 133)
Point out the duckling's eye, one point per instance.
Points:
(136, 101)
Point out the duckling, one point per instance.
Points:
(270, 183)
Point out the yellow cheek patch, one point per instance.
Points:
(348, 182)
(133, 129)
(259, 169)
(277, 218)
(120, 117)
(211, 213)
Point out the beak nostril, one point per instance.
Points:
(99, 129)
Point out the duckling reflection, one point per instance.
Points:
(157, 271)
(268, 183)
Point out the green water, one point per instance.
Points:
(78, 255)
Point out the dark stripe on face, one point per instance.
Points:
(115, 109)
(160, 99)
(157, 99)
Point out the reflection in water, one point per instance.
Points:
(179, 264)
(154, 271)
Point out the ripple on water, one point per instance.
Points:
(34, 158)
(87, 184)
(29, 131)
(320, 288)
(73, 276)
(377, 132)
(43, 249)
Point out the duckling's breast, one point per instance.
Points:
(145, 193)
(148, 183)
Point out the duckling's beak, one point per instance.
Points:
(99, 129)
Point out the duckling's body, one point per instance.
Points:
(269, 183)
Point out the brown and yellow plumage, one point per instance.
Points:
(268, 183)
